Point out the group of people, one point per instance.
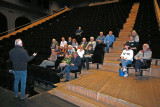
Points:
(130, 55)
(75, 55)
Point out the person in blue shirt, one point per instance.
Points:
(109, 40)
(79, 31)
(100, 38)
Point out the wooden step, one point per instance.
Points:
(77, 99)
(109, 58)
(109, 68)
(86, 87)
(112, 63)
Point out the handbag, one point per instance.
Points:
(121, 73)
(146, 63)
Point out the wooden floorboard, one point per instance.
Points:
(145, 91)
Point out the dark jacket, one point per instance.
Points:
(76, 62)
(19, 58)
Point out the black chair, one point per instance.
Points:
(75, 71)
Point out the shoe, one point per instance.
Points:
(125, 75)
(65, 80)
(61, 76)
(137, 74)
(24, 97)
(16, 96)
(11, 71)
(124, 69)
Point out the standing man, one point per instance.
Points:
(19, 58)
(109, 40)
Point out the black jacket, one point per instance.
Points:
(19, 58)
(76, 62)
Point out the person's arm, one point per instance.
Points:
(137, 56)
(122, 56)
(87, 45)
(94, 44)
(148, 55)
(27, 57)
(105, 40)
(68, 60)
(112, 39)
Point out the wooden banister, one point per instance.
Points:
(35, 23)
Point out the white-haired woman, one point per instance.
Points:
(142, 55)
(53, 44)
(135, 35)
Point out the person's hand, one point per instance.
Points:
(49, 59)
(91, 54)
(99, 41)
(34, 54)
(121, 57)
(139, 58)
(72, 64)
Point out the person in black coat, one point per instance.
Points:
(19, 58)
(73, 65)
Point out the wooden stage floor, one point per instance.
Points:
(140, 91)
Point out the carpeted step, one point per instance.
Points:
(111, 58)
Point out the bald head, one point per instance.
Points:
(18, 42)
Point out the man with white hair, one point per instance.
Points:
(142, 55)
(19, 58)
(92, 43)
(84, 42)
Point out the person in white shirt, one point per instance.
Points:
(63, 42)
(126, 58)
(80, 51)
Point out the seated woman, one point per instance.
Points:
(87, 56)
(53, 44)
(64, 50)
(84, 42)
(135, 35)
(71, 50)
(51, 60)
(74, 43)
(126, 58)
(142, 55)
(65, 61)
(80, 52)
(57, 50)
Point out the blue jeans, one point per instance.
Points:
(107, 46)
(67, 69)
(125, 62)
(20, 76)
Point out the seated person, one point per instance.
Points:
(57, 50)
(51, 60)
(79, 31)
(63, 42)
(64, 50)
(69, 41)
(84, 42)
(108, 41)
(73, 65)
(74, 44)
(91, 42)
(81, 52)
(135, 36)
(126, 58)
(71, 50)
(100, 38)
(133, 44)
(87, 56)
(142, 55)
(65, 61)
(53, 44)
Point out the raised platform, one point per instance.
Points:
(109, 88)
